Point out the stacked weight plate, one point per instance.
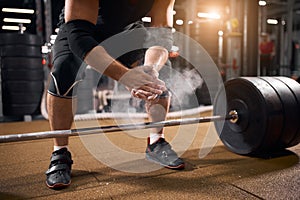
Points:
(268, 110)
(22, 73)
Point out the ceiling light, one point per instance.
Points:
(15, 20)
(209, 15)
(272, 21)
(179, 22)
(262, 3)
(18, 10)
(13, 28)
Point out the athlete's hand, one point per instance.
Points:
(143, 82)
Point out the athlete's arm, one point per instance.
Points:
(161, 13)
(81, 17)
(160, 33)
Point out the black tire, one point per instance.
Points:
(22, 75)
(22, 63)
(23, 86)
(20, 109)
(20, 51)
(16, 38)
(21, 98)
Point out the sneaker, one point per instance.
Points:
(161, 152)
(59, 172)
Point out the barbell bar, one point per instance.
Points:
(232, 116)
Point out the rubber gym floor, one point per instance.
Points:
(220, 174)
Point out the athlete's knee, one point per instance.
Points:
(67, 73)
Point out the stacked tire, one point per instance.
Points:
(22, 73)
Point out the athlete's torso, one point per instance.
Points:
(116, 14)
(120, 13)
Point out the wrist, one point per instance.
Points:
(116, 70)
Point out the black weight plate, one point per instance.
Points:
(20, 109)
(16, 38)
(290, 107)
(23, 86)
(22, 75)
(21, 98)
(21, 63)
(260, 116)
(20, 50)
(275, 114)
(294, 86)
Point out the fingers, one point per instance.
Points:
(141, 94)
(151, 89)
(139, 76)
(136, 78)
(147, 92)
(152, 97)
(143, 85)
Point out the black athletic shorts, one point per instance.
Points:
(69, 69)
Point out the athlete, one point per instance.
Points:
(84, 25)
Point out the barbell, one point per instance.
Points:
(112, 128)
(262, 116)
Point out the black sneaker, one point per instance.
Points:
(161, 152)
(59, 172)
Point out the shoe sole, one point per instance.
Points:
(58, 185)
(178, 167)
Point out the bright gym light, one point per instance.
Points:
(262, 3)
(272, 21)
(13, 28)
(208, 15)
(15, 20)
(18, 10)
(179, 22)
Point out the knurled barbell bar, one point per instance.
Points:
(262, 115)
